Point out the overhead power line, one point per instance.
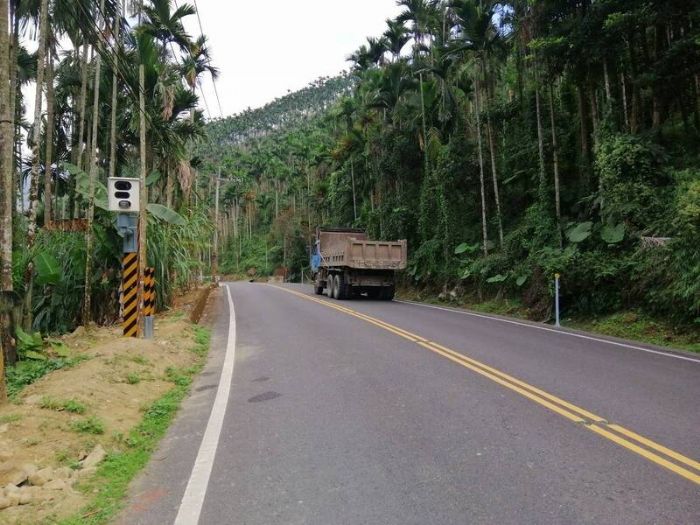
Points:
(213, 80)
(201, 91)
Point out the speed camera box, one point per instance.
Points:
(123, 194)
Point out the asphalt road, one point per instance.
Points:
(367, 412)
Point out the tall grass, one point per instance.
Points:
(175, 253)
(173, 250)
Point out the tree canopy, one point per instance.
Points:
(506, 141)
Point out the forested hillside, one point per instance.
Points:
(506, 141)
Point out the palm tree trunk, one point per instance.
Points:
(87, 300)
(13, 106)
(308, 196)
(7, 136)
(209, 188)
(492, 149)
(75, 141)
(6, 148)
(636, 116)
(8, 320)
(236, 214)
(215, 252)
(115, 85)
(425, 130)
(594, 122)
(555, 153)
(354, 196)
(48, 161)
(540, 146)
(143, 197)
(169, 186)
(606, 76)
(583, 121)
(594, 114)
(239, 254)
(696, 106)
(82, 102)
(625, 110)
(484, 227)
(697, 93)
(494, 174)
(34, 180)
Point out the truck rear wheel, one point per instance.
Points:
(387, 293)
(343, 288)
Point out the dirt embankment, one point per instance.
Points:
(58, 429)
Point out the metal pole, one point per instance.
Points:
(556, 300)
(143, 191)
(127, 226)
(149, 303)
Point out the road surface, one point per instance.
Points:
(313, 411)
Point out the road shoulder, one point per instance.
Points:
(594, 336)
(155, 494)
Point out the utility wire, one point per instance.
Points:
(206, 105)
(201, 91)
(213, 80)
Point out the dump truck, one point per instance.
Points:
(347, 264)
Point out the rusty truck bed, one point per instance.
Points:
(363, 254)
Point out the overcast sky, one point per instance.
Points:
(265, 47)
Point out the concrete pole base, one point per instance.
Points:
(148, 327)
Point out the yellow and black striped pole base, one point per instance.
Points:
(130, 294)
(149, 292)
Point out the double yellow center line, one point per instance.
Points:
(663, 456)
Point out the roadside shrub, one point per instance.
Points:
(27, 372)
(635, 185)
(90, 425)
(59, 405)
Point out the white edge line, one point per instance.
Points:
(547, 329)
(192, 500)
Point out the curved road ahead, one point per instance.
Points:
(363, 412)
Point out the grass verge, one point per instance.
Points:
(27, 372)
(59, 405)
(114, 474)
(631, 325)
(638, 327)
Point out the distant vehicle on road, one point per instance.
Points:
(346, 264)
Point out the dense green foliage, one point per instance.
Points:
(115, 95)
(52, 263)
(27, 372)
(507, 141)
